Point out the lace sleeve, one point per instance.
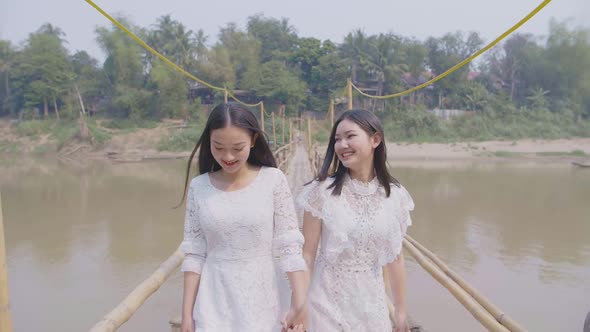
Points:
(288, 240)
(406, 206)
(194, 244)
(311, 199)
(399, 209)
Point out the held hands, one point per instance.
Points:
(294, 320)
(187, 325)
(401, 322)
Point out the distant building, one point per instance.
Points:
(447, 114)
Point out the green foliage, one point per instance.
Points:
(34, 128)
(42, 71)
(415, 125)
(574, 153)
(171, 91)
(181, 140)
(128, 124)
(273, 80)
(9, 147)
(525, 87)
(100, 136)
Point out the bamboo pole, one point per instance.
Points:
(349, 92)
(500, 316)
(262, 116)
(290, 130)
(284, 151)
(80, 98)
(274, 132)
(5, 316)
(461, 295)
(331, 110)
(118, 316)
(309, 133)
(283, 132)
(282, 148)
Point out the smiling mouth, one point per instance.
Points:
(230, 163)
(346, 155)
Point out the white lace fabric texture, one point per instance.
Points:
(229, 239)
(362, 230)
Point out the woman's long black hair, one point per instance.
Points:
(221, 116)
(333, 167)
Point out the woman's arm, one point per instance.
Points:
(397, 280)
(312, 232)
(189, 295)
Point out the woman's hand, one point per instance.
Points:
(187, 325)
(401, 322)
(294, 320)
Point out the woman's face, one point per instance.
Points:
(354, 146)
(231, 146)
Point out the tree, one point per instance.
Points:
(123, 64)
(171, 90)
(90, 80)
(447, 51)
(7, 58)
(277, 37)
(243, 50)
(125, 71)
(568, 75)
(174, 41)
(508, 64)
(332, 73)
(217, 67)
(354, 50)
(44, 71)
(387, 62)
(277, 84)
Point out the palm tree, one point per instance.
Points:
(537, 98)
(200, 44)
(51, 30)
(354, 48)
(172, 40)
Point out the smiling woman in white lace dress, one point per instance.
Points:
(239, 210)
(358, 215)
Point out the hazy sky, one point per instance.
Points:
(323, 19)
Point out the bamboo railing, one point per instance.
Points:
(498, 314)
(282, 155)
(486, 313)
(5, 316)
(489, 316)
(114, 319)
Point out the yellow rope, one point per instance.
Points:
(399, 94)
(231, 95)
(464, 62)
(151, 50)
(163, 58)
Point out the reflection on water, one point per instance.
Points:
(78, 240)
(519, 235)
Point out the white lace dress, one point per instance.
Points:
(362, 230)
(229, 238)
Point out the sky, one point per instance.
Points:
(322, 19)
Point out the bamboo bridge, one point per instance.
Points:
(299, 159)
